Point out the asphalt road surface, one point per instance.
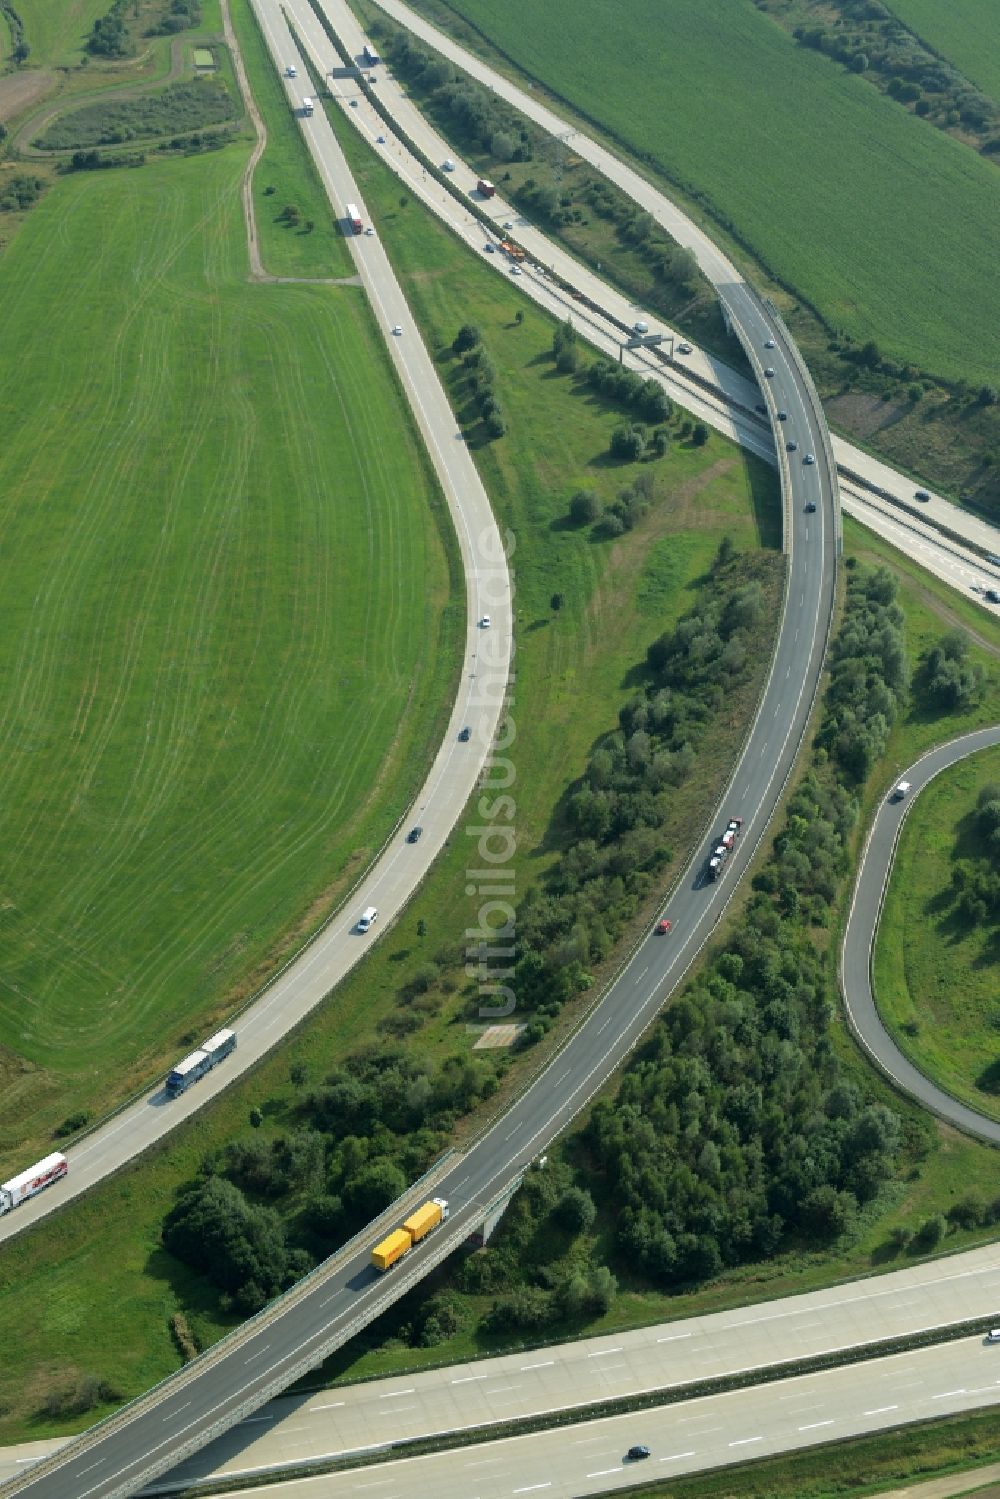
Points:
(352, 1419)
(862, 928)
(716, 1431)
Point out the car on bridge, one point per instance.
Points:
(808, 460)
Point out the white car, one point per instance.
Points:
(290, 70)
(484, 623)
(640, 327)
(515, 270)
(369, 230)
(397, 330)
(683, 348)
(769, 343)
(508, 223)
(993, 1336)
(448, 166)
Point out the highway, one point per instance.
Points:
(391, 879)
(348, 1420)
(237, 1377)
(240, 1374)
(970, 573)
(716, 1431)
(862, 929)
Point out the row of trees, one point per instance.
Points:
(869, 39)
(481, 378)
(975, 881)
(476, 115)
(869, 674)
(109, 36)
(616, 813)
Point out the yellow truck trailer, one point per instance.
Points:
(385, 1255)
(416, 1227)
(422, 1221)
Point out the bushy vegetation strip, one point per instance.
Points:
(735, 1133)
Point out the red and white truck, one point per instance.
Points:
(485, 187)
(37, 1177)
(354, 218)
(721, 852)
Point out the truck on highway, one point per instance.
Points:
(354, 218)
(370, 56)
(485, 186)
(307, 106)
(194, 1066)
(37, 1177)
(720, 855)
(416, 1227)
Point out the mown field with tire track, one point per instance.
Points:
(225, 630)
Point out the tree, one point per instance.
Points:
(466, 338)
(502, 146)
(584, 507)
(256, 1118)
(373, 1188)
(627, 444)
(556, 602)
(496, 426)
(699, 435)
(575, 1211)
(421, 929)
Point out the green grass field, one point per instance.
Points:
(57, 29)
(881, 222)
(963, 31)
(222, 641)
(931, 971)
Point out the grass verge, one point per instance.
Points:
(937, 977)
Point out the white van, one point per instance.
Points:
(368, 916)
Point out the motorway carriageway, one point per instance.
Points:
(964, 570)
(714, 1431)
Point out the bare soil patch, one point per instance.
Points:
(18, 91)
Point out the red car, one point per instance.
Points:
(662, 927)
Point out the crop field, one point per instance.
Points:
(883, 223)
(225, 632)
(963, 31)
(938, 979)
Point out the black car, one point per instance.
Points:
(922, 496)
(637, 1453)
(769, 372)
(810, 506)
(465, 735)
(782, 416)
(761, 408)
(413, 836)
